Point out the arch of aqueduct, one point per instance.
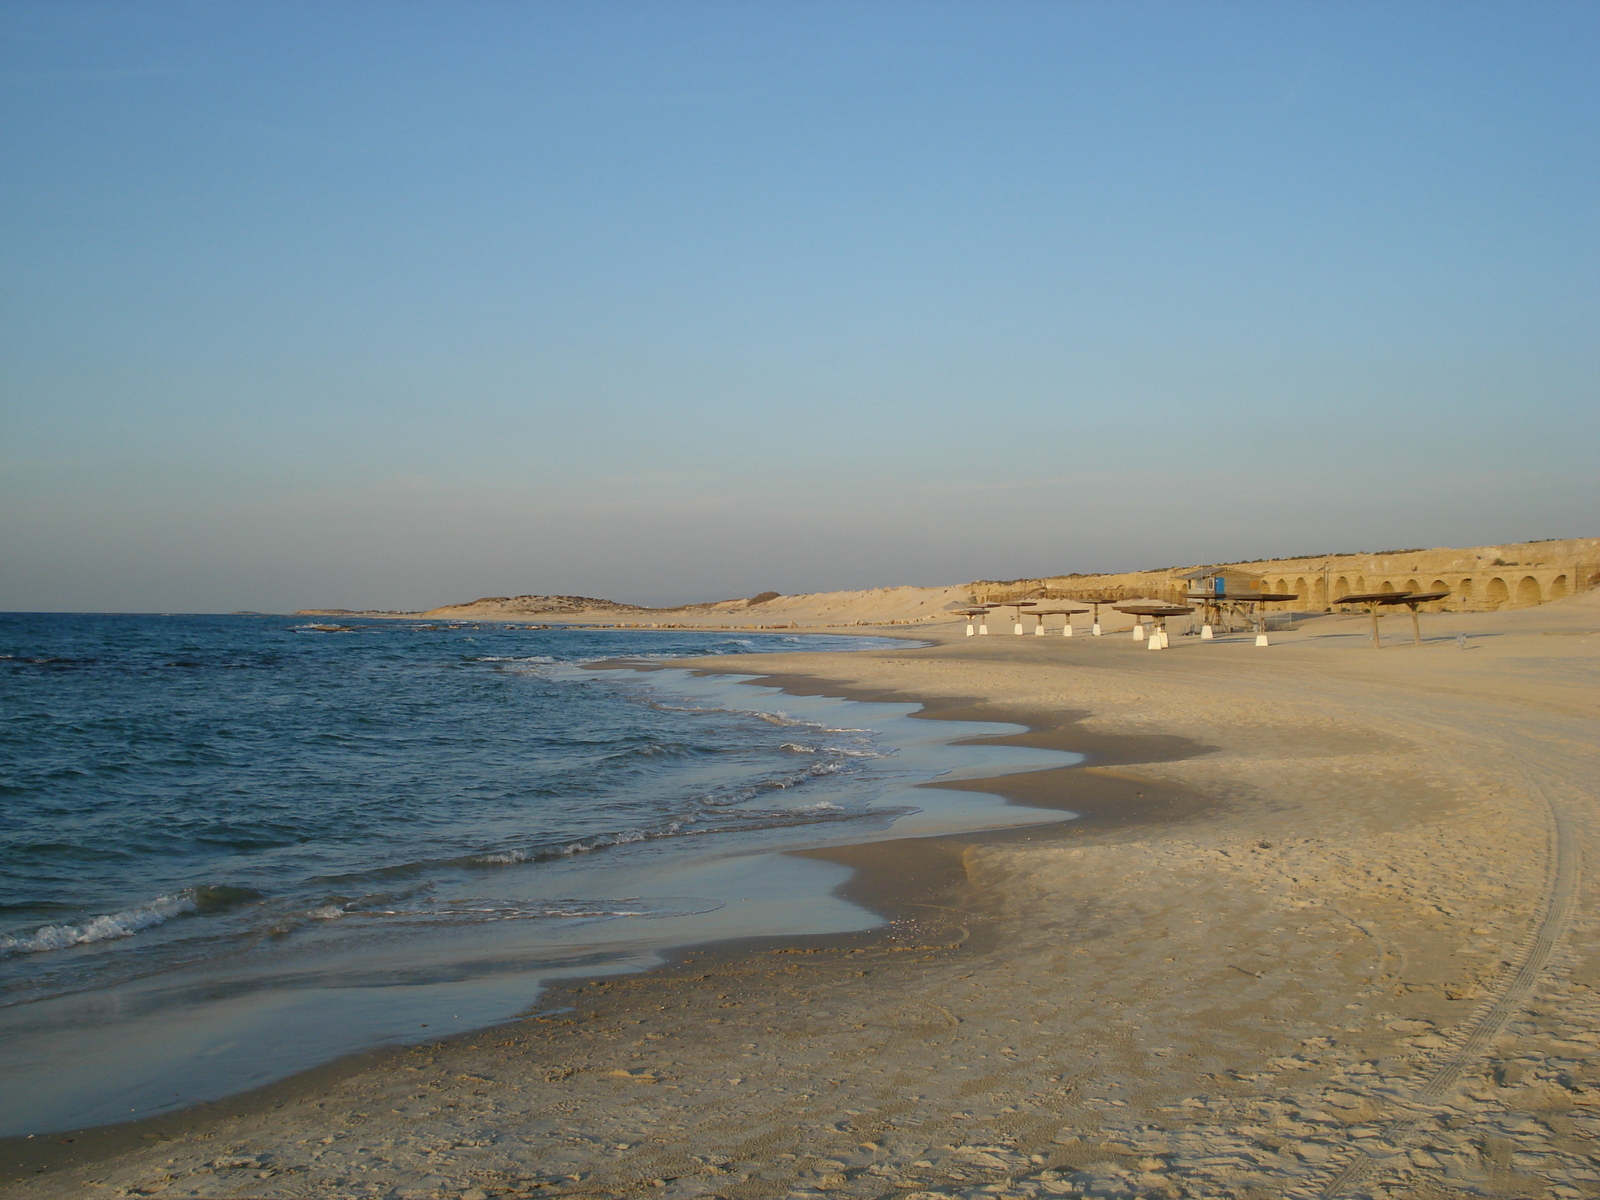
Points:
(1513, 575)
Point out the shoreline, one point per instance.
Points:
(158, 1033)
(892, 878)
(1236, 985)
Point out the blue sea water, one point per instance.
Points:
(225, 818)
(183, 781)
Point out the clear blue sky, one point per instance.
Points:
(394, 304)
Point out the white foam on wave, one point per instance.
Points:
(475, 910)
(626, 837)
(104, 928)
(781, 718)
(777, 717)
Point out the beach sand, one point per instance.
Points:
(1323, 930)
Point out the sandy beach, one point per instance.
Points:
(1322, 929)
(800, 601)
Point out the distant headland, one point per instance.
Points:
(1479, 579)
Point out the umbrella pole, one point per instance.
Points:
(1416, 629)
(1376, 644)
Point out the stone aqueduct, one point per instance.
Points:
(1483, 578)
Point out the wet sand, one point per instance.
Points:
(1321, 931)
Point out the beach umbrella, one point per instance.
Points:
(1019, 605)
(1096, 602)
(1376, 600)
(1159, 614)
(970, 613)
(1066, 629)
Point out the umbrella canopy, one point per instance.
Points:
(1392, 598)
(1376, 600)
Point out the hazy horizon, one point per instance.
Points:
(667, 605)
(396, 305)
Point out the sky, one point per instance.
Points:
(387, 304)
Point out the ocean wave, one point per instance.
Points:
(724, 816)
(51, 660)
(550, 852)
(477, 910)
(821, 813)
(725, 797)
(126, 923)
(663, 750)
(540, 852)
(842, 751)
(783, 718)
(777, 717)
(727, 647)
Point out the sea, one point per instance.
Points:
(236, 847)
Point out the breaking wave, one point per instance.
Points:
(126, 923)
(475, 910)
(411, 757)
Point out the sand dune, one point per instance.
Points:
(1551, 569)
(877, 606)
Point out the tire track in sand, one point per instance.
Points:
(1563, 870)
(1563, 874)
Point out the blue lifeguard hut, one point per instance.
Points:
(1221, 583)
